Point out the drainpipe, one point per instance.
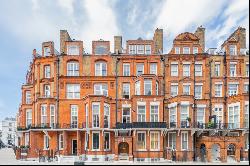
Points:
(116, 89)
(210, 86)
(194, 112)
(57, 98)
(225, 86)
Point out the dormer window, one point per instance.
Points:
(147, 49)
(232, 49)
(73, 50)
(195, 50)
(186, 50)
(177, 50)
(140, 49)
(132, 49)
(101, 49)
(46, 51)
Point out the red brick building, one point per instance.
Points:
(138, 103)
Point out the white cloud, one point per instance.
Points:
(33, 22)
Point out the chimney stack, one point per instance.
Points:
(200, 33)
(117, 44)
(158, 41)
(64, 36)
(242, 37)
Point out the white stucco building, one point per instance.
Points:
(8, 131)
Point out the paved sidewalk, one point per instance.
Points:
(7, 157)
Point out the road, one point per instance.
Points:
(7, 157)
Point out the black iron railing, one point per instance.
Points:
(141, 125)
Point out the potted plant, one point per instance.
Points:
(210, 124)
(188, 121)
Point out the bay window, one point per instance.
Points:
(47, 71)
(173, 116)
(184, 115)
(147, 87)
(106, 116)
(172, 140)
(186, 50)
(234, 115)
(154, 113)
(106, 141)
(95, 141)
(139, 69)
(52, 116)
(153, 68)
(126, 115)
(184, 141)
(74, 116)
(96, 114)
(43, 115)
(28, 117)
(27, 139)
(246, 115)
(46, 90)
(200, 115)
(28, 97)
(61, 142)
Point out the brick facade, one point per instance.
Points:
(138, 103)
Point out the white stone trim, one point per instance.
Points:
(202, 105)
(174, 63)
(184, 102)
(141, 103)
(155, 103)
(172, 105)
(126, 105)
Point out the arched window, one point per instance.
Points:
(100, 68)
(73, 68)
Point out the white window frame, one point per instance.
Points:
(28, 97)
(141, 114)
(27, 139)
(195, 50)
(158, 140)
(204, 110)
(73, 50)
(184, 132)
(106, 149)
(200, 95)
(173, 108)
(46, 90)
(186, 73)
(186, 85)
(174, 86)
(95, 132)
(172, 140)
(233, 105)
(105, 114)
(218, 90)
(246, 114)
(233, 73)
(156, 88)
(52, 115)
(246, 87)
(138, 88)
(72, 68)
(102, 90)
(45, 142)
(126, 86)
(156, 115)
(47, 71)
(140, 49)
(126, 116)
(145, 141)
(132, 49)
(87, 115)
(174, 72)
(233, 92)
(46, 51)
(148, 82)
(28, 119)
(72, 91)
(126, 69)
(247, 69)
(102, 69)
(147, 49)
(137, 66)
(186, 50)
(184, 113)
(198, 73)
(177, 50)
(217, 69)
(73, 113)
(97, 125)
(153, 68)
(61, 144)
(43, 114)
(218, 111)
(232, 49)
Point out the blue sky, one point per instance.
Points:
(25, 24)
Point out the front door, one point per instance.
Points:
(74, 147)
(215, 153)
(123, 148)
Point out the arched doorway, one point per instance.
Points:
(231, 153)
(203, 152)
(123, 148)
(215, 153)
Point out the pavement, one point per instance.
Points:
(7, 157)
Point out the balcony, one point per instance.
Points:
(141, 125)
